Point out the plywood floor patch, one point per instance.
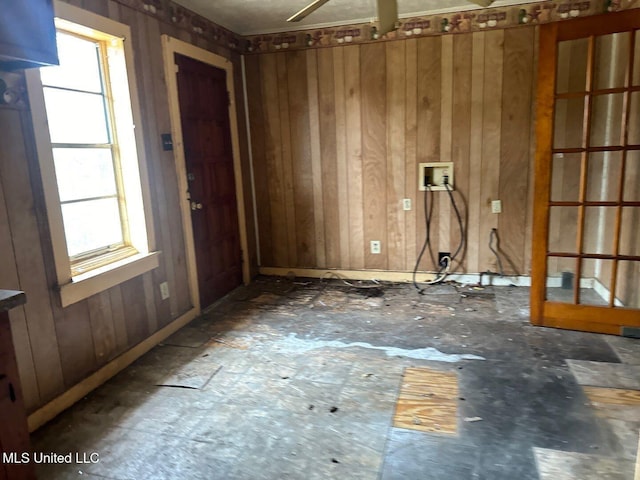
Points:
(428, 401)
(613, 396)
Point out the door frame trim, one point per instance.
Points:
(171, 46)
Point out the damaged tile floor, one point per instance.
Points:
(309, 379)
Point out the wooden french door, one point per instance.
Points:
(206, 134)
(586, 247)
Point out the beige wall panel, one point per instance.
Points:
(491, 143)
(102, 327)
(29, 261)
(429, 65)
(273, 159)
(461, 137)
(354, 156)
(396, 130)
(412, 220)
(339, 67)
(374, 151)
(316, 156)
(287, 167)
(514, 151)
(255, 104)
(301, 159)
(328, 155)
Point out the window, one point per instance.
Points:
(85, 151)
(92, 163)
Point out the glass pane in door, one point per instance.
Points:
(611, 60)
(563, 229)
(572, 66)
(603, 177)
(595, 281)
(628, 285)
(565, 186)
(599, 228)
(560, 281)
(632, 177)
(636, 59)
(634, 119)
(606, 120)
(630, 232)
(568, 123)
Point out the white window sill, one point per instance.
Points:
(101, 279)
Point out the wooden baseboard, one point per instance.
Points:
(394, 276)
(80, 390)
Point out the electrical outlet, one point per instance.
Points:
(406, 204)
(375, 246)
(496, 206)
(441, 258)
(164, 290)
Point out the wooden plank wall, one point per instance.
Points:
(58, 347)
(354, 124)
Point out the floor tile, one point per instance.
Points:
(557, 465)
(612, 375)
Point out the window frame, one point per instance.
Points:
(139, 256)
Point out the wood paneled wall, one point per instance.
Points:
(58, 347)
(337, 135)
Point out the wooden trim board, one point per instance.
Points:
(391, 276)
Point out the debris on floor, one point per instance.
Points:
(262, 368)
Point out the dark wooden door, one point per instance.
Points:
(586, 254)
(204, 115)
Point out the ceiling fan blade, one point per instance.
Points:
(387, 15)
(312, 7)
(482, 3)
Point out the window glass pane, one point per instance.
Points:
(634, 120)
(75, 117)
(91, 225)
(565, 178)
(563, 229)
(568, 123)
(595, 281)
(560, 279)
(629, 230)
(627, 286)
(632, 177)
(606, 120)
(84, 173)
(636, 60)
(612, 60)
(603, 177)
(599, 228)
(572, 65)
(79, 67)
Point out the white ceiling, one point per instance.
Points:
(250, 17)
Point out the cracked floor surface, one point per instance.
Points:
(299, 379)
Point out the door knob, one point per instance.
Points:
(196, 206)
